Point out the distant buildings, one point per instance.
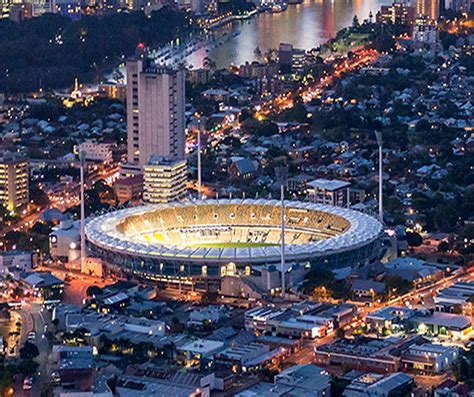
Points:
(155, 113)
(164, 179)
(68, 8)
(428, 8)
(425, 33)
(397, 13)
(14, 184)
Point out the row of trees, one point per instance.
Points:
(50, 51)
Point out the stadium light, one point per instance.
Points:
(82, 158)
(199, 160)
(282, 253)
(378, 136)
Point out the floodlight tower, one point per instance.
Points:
(378, 136)
(282, 248)
(83, 212)
(199, 156)
(281, 173)
(199, 163)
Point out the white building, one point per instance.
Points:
(164, 180)
(155, 112)
(96, 151)
(200, 349)
(328, 191)
(430, 357)
(65, 241)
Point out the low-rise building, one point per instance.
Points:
(207, 315)
(44, 286)
(128, 189)
(457, 295)
(96, 151)
(74, 365)
(65, 241)
(200, 351)
(304, 320)
(447, 325)
(361, 353)
(429, 357)
(370, 384)
(389, 318)
(328, 191)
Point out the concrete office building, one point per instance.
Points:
(164, 180)
(14, 184)
(155, 113)
(328, 191)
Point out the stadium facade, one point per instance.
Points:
(199, 243)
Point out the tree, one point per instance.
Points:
(27, 367)
(414, 239)
(355, 22)
(210, 297)
(93, 290)
(29, 351)
(340, 333)
(397, 284)
(443, 246)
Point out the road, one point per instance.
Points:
(36, 318)
(306, 355)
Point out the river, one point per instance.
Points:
(305, 25)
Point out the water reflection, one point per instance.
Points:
(305, 25)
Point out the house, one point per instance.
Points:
(243, 168)
(367, 290)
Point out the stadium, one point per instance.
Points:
(192, 241)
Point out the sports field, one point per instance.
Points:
(231, 245)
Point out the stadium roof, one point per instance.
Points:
(102, 232)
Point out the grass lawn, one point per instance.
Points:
(232, 245)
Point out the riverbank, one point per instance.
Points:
(231, 18)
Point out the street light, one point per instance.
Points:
(378, 136)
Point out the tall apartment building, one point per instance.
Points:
(14, 188)
(155, 112)
(428, 8)
(397, 13)
(164, 180)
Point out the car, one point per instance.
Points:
(28, 383)
(32, 336)
(55, 378)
